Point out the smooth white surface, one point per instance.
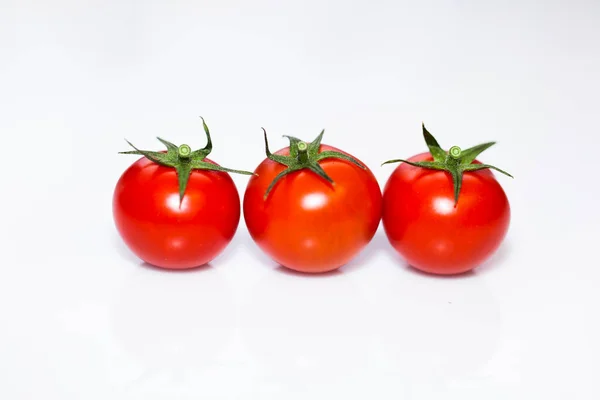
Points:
(82, 319)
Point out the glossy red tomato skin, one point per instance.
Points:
(308, 225)
(422, 224)
(151, 222)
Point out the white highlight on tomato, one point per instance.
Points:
(443, 205)
(314, 200)
(175, 203)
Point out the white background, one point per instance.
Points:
(81, 318)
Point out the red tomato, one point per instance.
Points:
(430, 233)
(306, 223)
(160, 231)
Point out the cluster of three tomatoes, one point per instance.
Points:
(312, 207)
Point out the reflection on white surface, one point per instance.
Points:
(167, 320)
(308, 327)
(453, 333)
(314, 201)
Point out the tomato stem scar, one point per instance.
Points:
(304, 156)
(184, 160)
(455, 151)
(302, 152)
(184, 151)
(456, 161)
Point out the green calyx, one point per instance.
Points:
(304, 156)
(455, 161)
(183, 159)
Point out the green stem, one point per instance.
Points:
(302, 152)
(184, 160)
(455, 152)
(456, 161)
(184, 152)
(453, 159)
(304, 155)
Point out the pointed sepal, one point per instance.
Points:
(184, 170)
(276, 179)
(317, 169)
(469, 155)
(423, 164)
(477, 167)
(154, 156)
(435, 149)
(336, 154)
(170, 146)
(455, 161)
(274, 157)
(457, 178)
(294, 141)
(183, 159)
(303, 155)
(315, 145)
(205, 151)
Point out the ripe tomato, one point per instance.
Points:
(438, 229)
(170, 221)
(307, 223)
